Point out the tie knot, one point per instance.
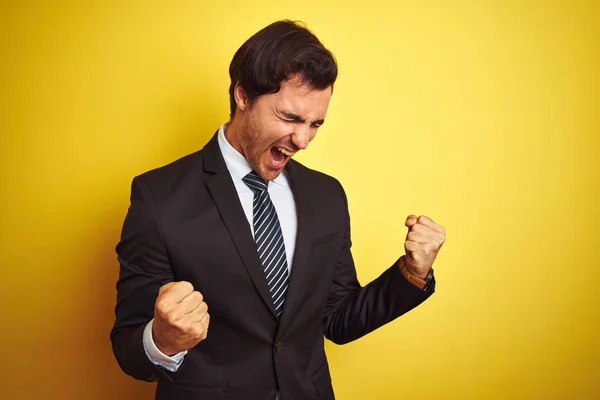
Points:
(255, 182)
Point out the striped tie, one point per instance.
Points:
(269, 240)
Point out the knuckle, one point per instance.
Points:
(174, 318)
(198, 330)
(162, 306)
(194, 297)
(170, 320)
(191, 326)
(185, 285)
(181, 326)
(163, 288)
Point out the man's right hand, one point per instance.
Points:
(180, 318)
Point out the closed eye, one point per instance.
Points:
(291, 117)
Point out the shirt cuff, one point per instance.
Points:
(172, 363)
(418, 282)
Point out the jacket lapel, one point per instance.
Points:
(306, 217)
(225, 196)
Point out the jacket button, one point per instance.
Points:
(278, 347)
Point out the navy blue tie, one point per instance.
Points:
(269, 240)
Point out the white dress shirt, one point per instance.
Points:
(283, 200)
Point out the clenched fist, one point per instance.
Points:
(180, 318)
(423, 241)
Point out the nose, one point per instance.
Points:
(301, 136)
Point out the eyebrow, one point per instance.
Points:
(297, 118)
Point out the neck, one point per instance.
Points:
(233, 128)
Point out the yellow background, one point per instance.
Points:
(483, 115)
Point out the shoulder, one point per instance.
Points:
(173, 170)
(327, 186)
(189, 169)
(177, 177)
(312, 175)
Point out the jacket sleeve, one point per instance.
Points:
(144, 268)
(353, 311)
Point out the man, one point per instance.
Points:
(241, 229)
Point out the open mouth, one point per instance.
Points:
(279, 156)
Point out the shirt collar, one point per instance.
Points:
(237, 164)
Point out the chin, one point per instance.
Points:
(269, 174)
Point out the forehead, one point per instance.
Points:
(299, 98)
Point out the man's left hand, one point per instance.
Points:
(423, 241)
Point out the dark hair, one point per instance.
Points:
(275, 53)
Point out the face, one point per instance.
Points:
(278, 125)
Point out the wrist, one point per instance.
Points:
(413, 278)
(161, 346)
(418, 272)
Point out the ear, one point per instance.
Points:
(241, 98)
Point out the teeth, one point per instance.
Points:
(284, 151)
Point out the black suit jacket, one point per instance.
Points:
(186, 222)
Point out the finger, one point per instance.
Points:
(411, 246)
(198, 312)
(177, 292)
(418, 237)
(202, 318)
(410, 220)
(425, 220)
(191, 302)
(424, 229)
(204, 325)
(165, 287)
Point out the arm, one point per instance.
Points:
(144, 268)
(353, 311)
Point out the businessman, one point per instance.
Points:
(235, 261)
